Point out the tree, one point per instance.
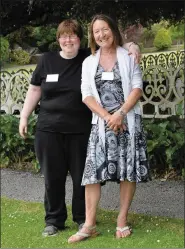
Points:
(162, 39)
(177, 32)
(157, 26)
(15, 14)
(147, 35)
(4, 48)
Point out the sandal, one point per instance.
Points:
(79, 236)
(122, 230)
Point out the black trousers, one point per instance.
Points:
(57, 154)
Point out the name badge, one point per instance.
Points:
(107, 76)
(52, 77)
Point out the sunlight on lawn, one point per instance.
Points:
(22, 224)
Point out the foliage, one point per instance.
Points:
(84, 41)
(23, 221)
(54, 46)
(4, 50)
(157, 26)
(166, 145)
(53, 12)
(177, 32)
(20, 56)
(44, 35)
(131, 32)
(147, 35)
(162, 39)
(180, 106)
(15, 151)
(21, 36)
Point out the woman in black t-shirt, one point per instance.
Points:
(63, 125)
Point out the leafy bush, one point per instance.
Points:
(165, 140)
(4, 50)
(14, 151)
(162, 39)
(54, 46)
(84, 40)
(20, 36)
(44, 36)
(177, 32)
(20, 56)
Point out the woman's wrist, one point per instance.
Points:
(105, 115)
(23, 116)
(122, 112)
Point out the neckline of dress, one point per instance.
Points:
(111, 69)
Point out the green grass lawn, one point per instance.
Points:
(22, 224)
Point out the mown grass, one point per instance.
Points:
(22, 224)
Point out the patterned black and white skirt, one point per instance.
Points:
(114, 164)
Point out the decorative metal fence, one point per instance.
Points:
(166, 60)
(163, 80)
(14, 86)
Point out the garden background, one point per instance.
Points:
(29, 29)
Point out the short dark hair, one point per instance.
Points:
(69, 26)
(118, 41)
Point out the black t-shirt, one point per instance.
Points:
(61, 106)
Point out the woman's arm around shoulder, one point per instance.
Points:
(133, 49)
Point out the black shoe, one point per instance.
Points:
(50, 230)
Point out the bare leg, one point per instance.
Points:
(127, 190)
(92, 197)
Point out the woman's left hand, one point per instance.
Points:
(135, 51)
(115, 122)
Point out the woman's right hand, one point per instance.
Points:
(23, 127)
(115, 122)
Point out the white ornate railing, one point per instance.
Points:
(163, 80)
(14, 86)
(163, 91)
(166, 60)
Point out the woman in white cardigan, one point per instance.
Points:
(111, 88)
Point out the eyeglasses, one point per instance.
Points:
(71, 37)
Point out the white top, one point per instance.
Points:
(131, 78)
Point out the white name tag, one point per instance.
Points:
(52, 78)
(107, 76)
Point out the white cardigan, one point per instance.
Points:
(131, 78)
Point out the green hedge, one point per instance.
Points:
(4, 50)
(166, 144)
(165, 140)
(163, 39)
(15, 152)
(20, 56)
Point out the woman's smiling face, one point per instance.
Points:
(69, 43)
(102, 33)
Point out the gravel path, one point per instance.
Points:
(153, 198)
